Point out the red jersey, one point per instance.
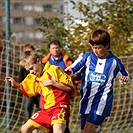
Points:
(50, 95)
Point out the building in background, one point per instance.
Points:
(24, 18)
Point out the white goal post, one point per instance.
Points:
(12, 101)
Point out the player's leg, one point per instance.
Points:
(37, 103)
(67, 130)
(60, 114)
(27, 128)
(40, 120)
(89, 122)
(89, 128)
(59, 128)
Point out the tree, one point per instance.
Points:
(116, 16)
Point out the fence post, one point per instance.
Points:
(7, 35)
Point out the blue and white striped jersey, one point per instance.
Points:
(97, 82)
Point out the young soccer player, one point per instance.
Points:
(98, 70)
(53, 86)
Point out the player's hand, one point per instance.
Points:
(48, 82)
(68, 70)
(8, 79)
(12, 81)
(123, 79)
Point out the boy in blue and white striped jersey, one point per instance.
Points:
(98, 70)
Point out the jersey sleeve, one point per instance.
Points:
(79, 64)
(30, 86)
(121, 69)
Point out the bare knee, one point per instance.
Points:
(59, 128)
(89, 128)
(27, 128)
(23, 129)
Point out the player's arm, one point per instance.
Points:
(77, 65)
(12, 81)
(29, 86)
(56, 84)
(123, 74)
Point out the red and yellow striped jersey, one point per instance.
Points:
(50, 95)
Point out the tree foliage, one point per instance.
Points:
(115, 16)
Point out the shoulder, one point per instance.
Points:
(86, 55)
(51, 67)
(117, 59)
(65, 56)
(46, 58)
(68, 61)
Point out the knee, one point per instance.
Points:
(24, 129)
(89, 128)
(27, 128)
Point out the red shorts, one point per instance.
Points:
(44, 119)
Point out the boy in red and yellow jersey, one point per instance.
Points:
(53, 86)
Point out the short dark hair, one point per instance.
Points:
(56, 42)
(100, 36)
